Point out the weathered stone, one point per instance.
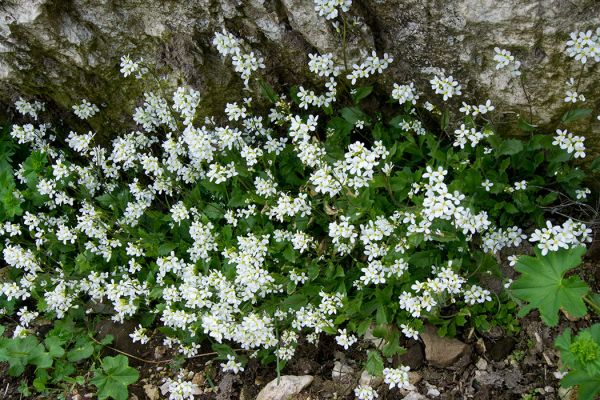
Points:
(368, 379)
(62, 51)
(288, 386)
(414, 396)
(481, 364)
(341, 372)
(414, 377)
(377, 342)
(501, 348)
(151, 392)
(442, 351)
(413, 357)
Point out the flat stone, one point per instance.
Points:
(442, 351)
(288, 386)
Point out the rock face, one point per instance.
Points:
(64, 50)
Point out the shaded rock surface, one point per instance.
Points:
(63, 51)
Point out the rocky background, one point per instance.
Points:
(61, 51)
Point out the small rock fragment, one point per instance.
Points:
(414, 396)
(413, 357)
(159, 352)
(442, 351)
(289, 385)
(368, 379)
(341, 372)
(432, 391)
(414, 377)
(198, 379)
(377, 342)
(151, 392)
(481, 364)
(501, 348)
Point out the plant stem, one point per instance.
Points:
(344, 43)
(592, 304)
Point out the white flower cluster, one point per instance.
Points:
(472, 136)
(29, 108)
(244, 62)
(128, 67)
(405, 93)
(232, 365)
(554, 237)
(446, 86)
(365, 392)
(584, 46)
(396, 377)
(569, 142)
(329, 8)
(370, 66)
(504, 58)
(476, 294)
(481, 109)
(180, 389)
(218, 218)
(345, 340)
(85, 110)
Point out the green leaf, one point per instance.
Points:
(268, 91)
(509, 147)
(543, 285)
(589, 386)
(113, 378)
(445, 120)
(353, 114)
(54, 346)
(526, 126)
(374, 363)
(360, 93)
(576, 114)
(83, 349)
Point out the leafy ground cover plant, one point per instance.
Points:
(251, 229)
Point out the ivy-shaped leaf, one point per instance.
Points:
(113, 377)
(543, 284)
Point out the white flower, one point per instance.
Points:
(582, 194)
(365, 392)
(487, 184)
(345, 340)
(446, 86)
(502, 57)
(406, 94)
(571, 97)
(85, 109)
(396, 377)
(522, 185)
(329, 8)
(232, 365)
(476, 294)
(584, 46)
(409, 332)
